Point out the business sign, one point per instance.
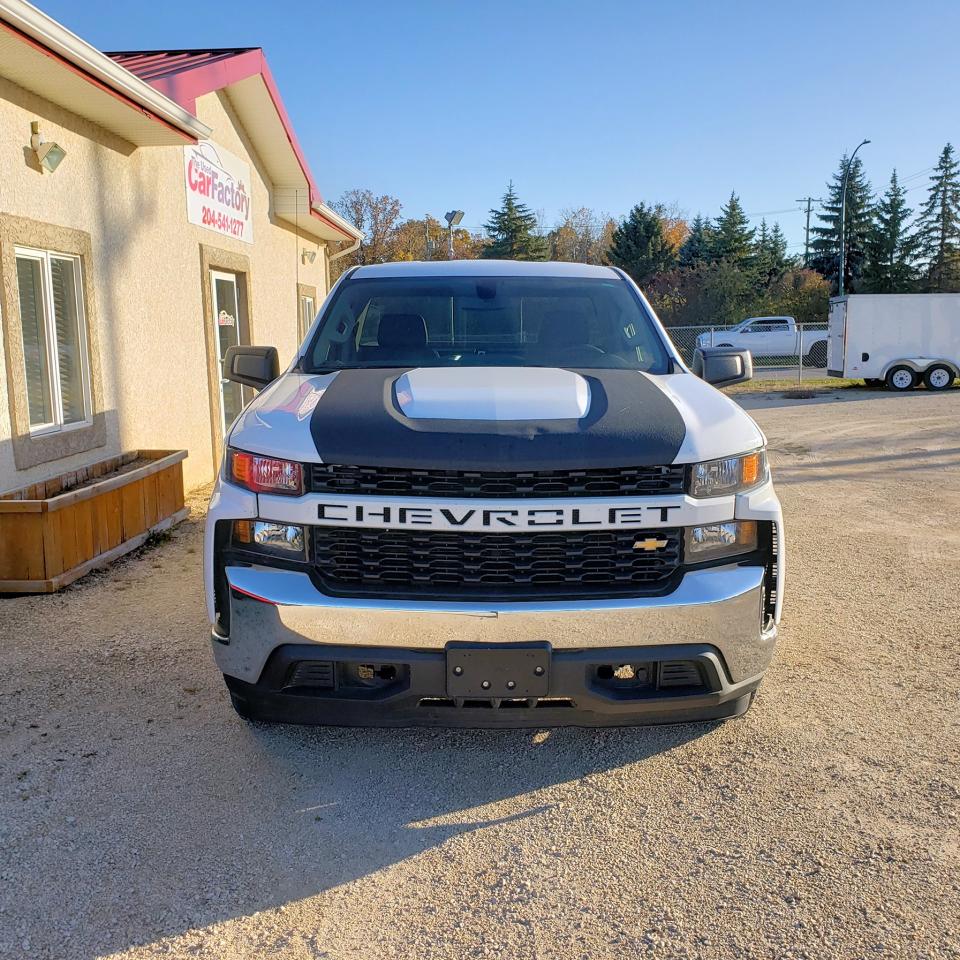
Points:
(218, 190)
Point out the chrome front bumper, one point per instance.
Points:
(720, 606)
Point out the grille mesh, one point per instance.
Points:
(425, 565)
(400, 481)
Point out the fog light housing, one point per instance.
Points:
(726, 539)
(275, 539)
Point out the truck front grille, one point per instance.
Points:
(401, 481)
(426, 565)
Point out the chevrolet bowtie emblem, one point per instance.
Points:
(650, 544)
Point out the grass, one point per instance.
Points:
(807, 385)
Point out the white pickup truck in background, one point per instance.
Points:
(771, 337)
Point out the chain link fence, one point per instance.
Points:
(775, 353)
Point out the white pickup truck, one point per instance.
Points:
(492, 494)
(771, 337)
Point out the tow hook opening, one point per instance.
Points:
(625, 676)
(626, 680)
(371, 672)
(343, 677)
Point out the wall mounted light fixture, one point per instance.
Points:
(49, 154)
(308, 256)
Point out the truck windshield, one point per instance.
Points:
(488, 322)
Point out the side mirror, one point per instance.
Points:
(254, 367)
(723, 366)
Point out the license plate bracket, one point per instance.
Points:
(501, 671)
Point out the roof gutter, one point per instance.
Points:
(322, 210)
(55, 37)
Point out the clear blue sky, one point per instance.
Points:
(593, 103)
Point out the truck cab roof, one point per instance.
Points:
(483, 268)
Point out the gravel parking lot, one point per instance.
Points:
(141, 818)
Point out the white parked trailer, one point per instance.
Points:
(901, 340)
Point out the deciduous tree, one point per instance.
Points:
(377, 217)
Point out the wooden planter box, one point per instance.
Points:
(53, 532)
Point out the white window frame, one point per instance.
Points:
(50, 337)
(306, 321)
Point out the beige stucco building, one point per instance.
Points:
(180, 218)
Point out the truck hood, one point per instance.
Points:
(494, 418)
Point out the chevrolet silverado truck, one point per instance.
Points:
(492, 494)
(771, 337)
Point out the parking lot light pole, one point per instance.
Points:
(843, 218)
(453, 217)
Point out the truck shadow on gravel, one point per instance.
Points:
(181, 826)
(140, 807)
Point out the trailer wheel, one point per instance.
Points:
(901, 378)
(938, 377)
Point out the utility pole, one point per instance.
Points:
(809, 201)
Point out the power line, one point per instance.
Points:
(919, 173)
(770, 213)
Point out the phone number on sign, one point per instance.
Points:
(223, 223)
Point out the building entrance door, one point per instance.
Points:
(230, 330)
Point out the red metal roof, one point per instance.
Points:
(153, 65)
(185, 75)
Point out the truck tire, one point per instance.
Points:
(901, 378)
(938, 377)
(817, 357)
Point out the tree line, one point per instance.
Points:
(708, 270)
(889, 247)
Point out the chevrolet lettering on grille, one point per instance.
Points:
(493, 518)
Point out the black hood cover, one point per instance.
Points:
(630, 422)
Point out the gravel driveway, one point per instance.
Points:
(140, 817)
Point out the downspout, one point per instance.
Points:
(342, 253)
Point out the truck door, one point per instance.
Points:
(835, 337)
(782, 338)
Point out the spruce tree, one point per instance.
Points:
(769, 254)
(696, 249)
(511, 230)
(825, 246)
(938, 226)
(889, 265)
(639, 245)
(778, 249)
(733, 238)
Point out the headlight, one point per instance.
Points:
(720, 540)
(718, 478)
(264, 474)
(275, 539)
